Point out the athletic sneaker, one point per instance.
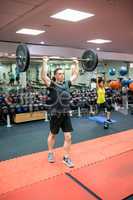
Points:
(109, 120)
(51, 157)
(68, 162)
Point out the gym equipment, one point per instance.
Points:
(25, 108)
(18, 109)
(41, 107)
(8, 121)
(131, 109)
(130, 97)
(35, 107)
(89, 59)
(5, 110)
(100, 119)
(30, 107)
(12, 109)
(112, 71)
(125, 82)
(115, 85)
(130, 81)
(22, 57)
(131, 86)
(123, 71)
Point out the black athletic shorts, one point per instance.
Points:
(102, 107)
(61, 120)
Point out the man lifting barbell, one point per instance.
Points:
(59, 111)
(60, 117)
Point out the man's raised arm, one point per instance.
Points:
(44, 72)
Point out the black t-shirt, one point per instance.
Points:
(59, 97)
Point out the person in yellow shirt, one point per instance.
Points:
(102, 105)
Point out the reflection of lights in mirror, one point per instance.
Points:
(131, 65)
(1, 66)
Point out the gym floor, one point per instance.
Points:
(95, 150)
(30, 137)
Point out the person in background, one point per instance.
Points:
(102, 105)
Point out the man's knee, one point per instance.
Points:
(51, 135)
(68, 136)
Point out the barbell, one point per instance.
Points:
(89, 59)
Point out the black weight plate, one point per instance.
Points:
(22, 57)
(91, 60)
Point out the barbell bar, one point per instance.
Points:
(89, 59)
(58, 59)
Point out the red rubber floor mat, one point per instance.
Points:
(56, 188)
(111, 179)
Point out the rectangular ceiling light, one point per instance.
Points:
(72, 15)
(99, 41)
(28, 31)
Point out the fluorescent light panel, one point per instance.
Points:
(42, 42)
(99, 41)
(72, 15)
(28, 31)
(98, 49)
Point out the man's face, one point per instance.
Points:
(59, 76)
